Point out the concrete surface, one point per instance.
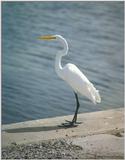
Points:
(95, 123)
(101, 145)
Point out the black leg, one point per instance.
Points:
(73, 122)
(77, 108)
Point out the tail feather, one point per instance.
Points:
(95, 96)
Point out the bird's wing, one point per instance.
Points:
(70, 71)
(74, 77)
(80, 83)
(94, 93)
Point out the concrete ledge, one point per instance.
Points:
(108, 121)
(101, 146)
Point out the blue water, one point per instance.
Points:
(30, 87)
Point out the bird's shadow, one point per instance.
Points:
(34, 129)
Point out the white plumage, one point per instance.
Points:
(73, 76)
(79, 82)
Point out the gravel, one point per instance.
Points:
(53, 149)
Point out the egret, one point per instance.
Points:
(74, 77)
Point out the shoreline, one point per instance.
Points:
(100, 135)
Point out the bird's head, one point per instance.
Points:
(55, 37)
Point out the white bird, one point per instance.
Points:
(73, 76)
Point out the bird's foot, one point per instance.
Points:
(68, 124)
(74, 122)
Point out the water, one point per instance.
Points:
(30, 87)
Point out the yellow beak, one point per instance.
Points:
(47, 37)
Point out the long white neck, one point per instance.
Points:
(58, 66)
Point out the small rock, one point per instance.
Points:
(13, 143)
